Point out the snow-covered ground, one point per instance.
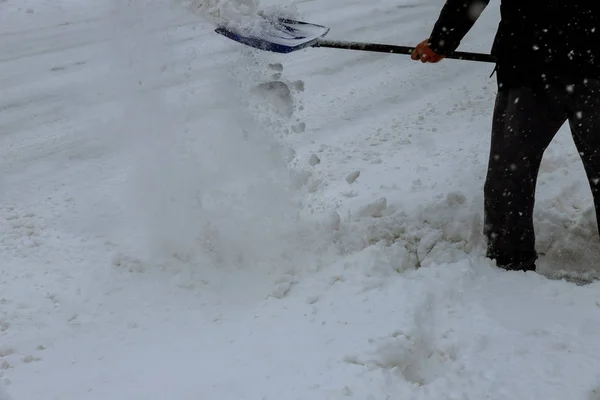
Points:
(183, 217)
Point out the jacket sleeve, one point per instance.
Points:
(456, 19)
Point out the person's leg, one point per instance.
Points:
(584, 120)
(524, 124)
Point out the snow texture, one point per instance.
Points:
(3, 394)
(185, 217)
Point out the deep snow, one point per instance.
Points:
(183, 217)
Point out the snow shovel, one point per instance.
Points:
(283, 35)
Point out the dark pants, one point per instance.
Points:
(525, 121)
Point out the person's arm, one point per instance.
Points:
(456, 19)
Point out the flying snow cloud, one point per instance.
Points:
(208, 179)
(238, 12)
(223, 11)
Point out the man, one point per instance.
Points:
(548, 72)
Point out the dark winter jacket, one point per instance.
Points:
(535, 38)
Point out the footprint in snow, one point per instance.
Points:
(422, 354)
(414, 357)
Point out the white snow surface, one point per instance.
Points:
(184, 217)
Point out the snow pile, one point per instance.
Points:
(567, 235)
(441, 232)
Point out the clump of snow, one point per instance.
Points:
(314, 160)
(276, 67)
(441, 232)
(299, 127)
(332, 221)
(352, 176)
(374, 209)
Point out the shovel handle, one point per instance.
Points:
(386, 48)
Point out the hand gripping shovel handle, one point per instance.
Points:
(391, 49)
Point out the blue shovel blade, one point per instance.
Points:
(279, 35)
